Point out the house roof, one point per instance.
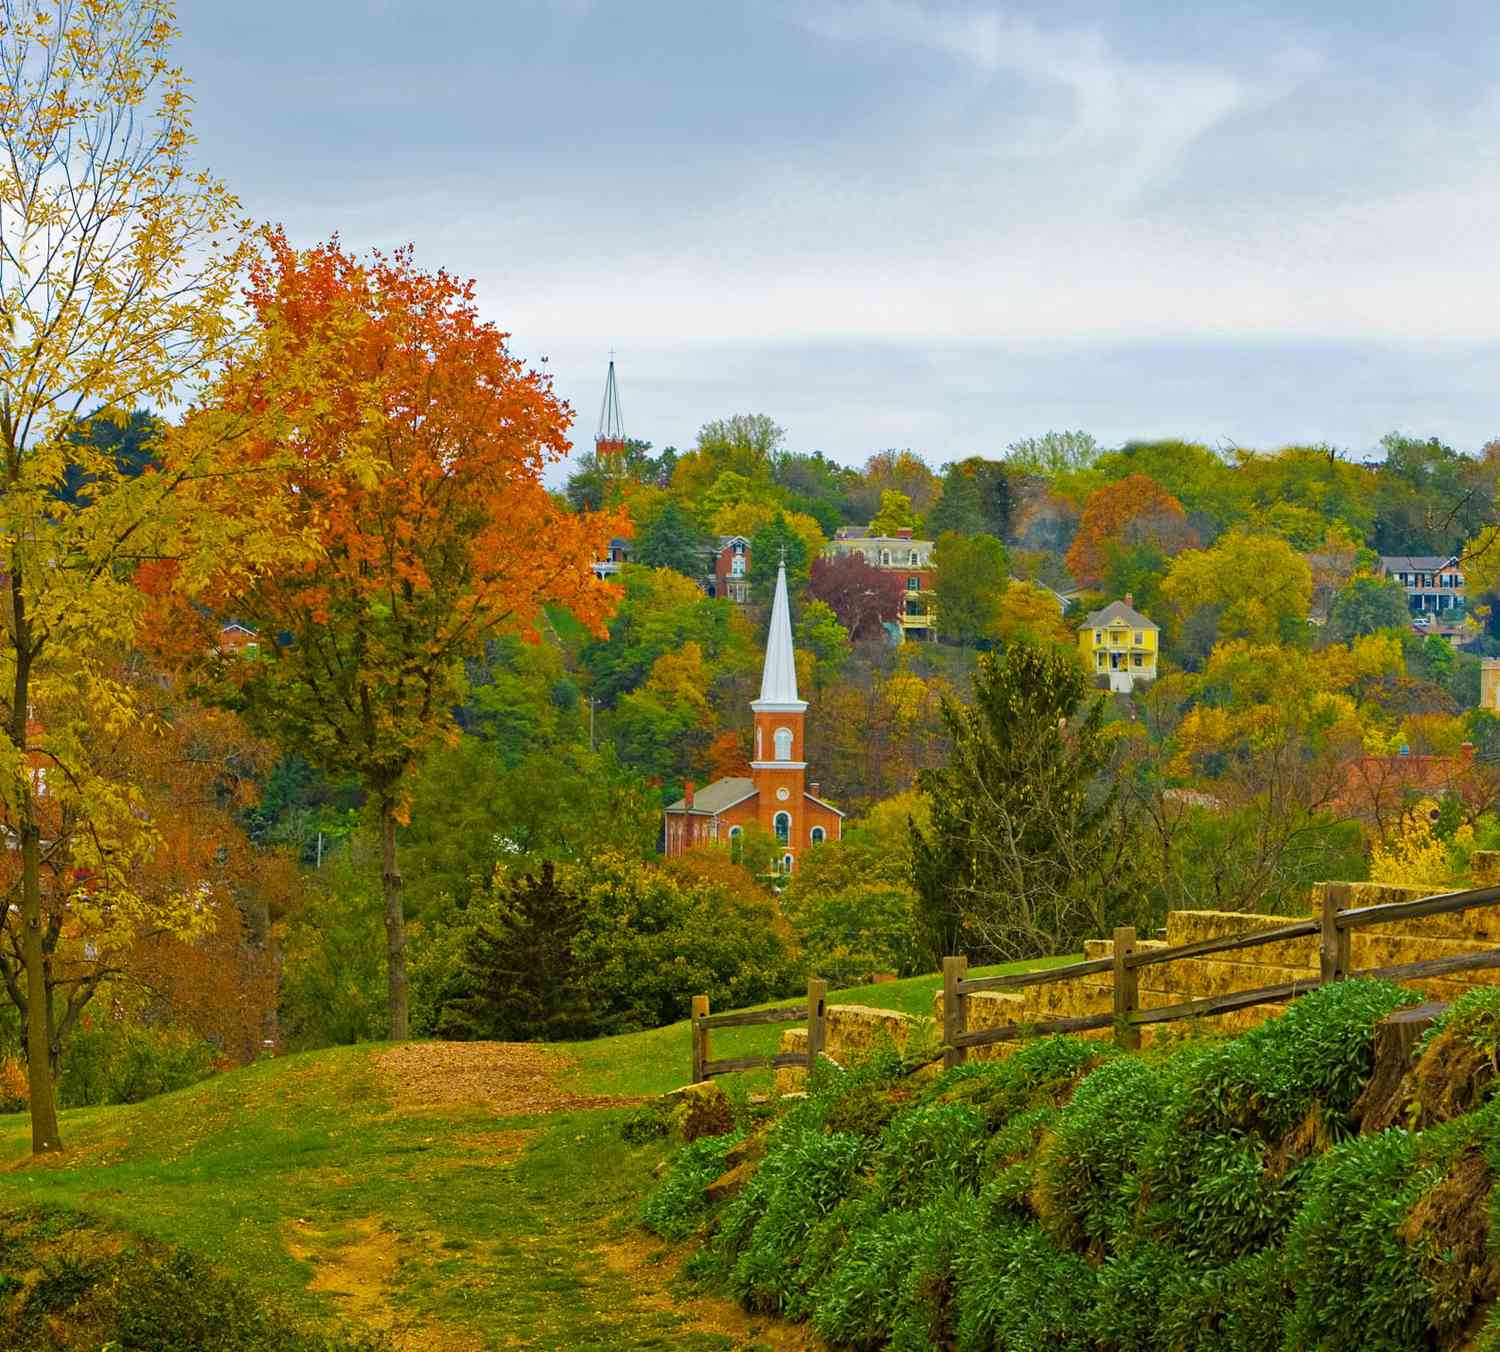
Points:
(1117, 611)
(1417, 563)
(713, 798)
(822, 802)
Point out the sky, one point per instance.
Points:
(890, 223)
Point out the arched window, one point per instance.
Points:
(783, 825)
(783, 744)
(817, 835)
(786, 863)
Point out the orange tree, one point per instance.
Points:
(1135, 510)
(403, 448)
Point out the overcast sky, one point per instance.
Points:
(894, 223)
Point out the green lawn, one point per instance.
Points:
(453, 1227)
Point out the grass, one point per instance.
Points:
(299, 1180)
(653, 1062)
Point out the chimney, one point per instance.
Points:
(903, 533)
(1467, 751)
(687, 794)
(1130, 599)
(814, 787)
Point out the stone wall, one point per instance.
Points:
(853, 1028)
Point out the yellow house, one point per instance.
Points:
(1119, 644)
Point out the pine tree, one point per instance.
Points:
(958, 510)
(1026, 853)
(670, 540)
(520, 980)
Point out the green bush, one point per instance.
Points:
(1087, 1190)
(1182, 1200)
(678, 1208)
(125, 1063)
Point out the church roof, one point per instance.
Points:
(714, 798)
(778, 680)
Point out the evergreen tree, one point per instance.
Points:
(670, 540)
(766, 552)
(958, 509)
(972, 574)
(517, 973)
(1027, 852)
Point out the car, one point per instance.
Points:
(1422, 622)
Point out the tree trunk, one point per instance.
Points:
(395, 922)
(45, 1135)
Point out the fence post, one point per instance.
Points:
(700, 1038)
(817, 1015)
(1334, 949)
(955, 1011)
(1127, 990)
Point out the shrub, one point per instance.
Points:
(122, 1063)
(15, 1088)
(678, 1208)
(1086, 1189)
(1018, 1290)
(932, 1148)
(800, 1181)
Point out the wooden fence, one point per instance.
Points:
(1334, 927)
(814, 1012)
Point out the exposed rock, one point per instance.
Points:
(730, 1182)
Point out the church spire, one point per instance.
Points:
(778, 681)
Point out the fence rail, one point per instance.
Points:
(1333, 927)
(814, 1012)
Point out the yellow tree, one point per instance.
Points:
(117, 273)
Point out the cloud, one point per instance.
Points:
(1126, 121)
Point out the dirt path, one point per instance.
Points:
(512, 1078)
(358, 1262)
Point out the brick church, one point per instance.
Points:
(776, 793)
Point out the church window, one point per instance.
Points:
(786, 863)
(735, 832)
(783, 744)
(817, 835)
(783, 825)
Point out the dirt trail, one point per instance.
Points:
(512, 1078)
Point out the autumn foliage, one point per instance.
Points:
(863, 596)
(1134, 510)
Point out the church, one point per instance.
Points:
(776, 793)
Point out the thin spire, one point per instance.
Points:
(611, 433)
(778, 681)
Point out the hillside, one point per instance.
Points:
(1206, 1194)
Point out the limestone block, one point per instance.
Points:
(1386, 950)
(1484, 866)
(792, 1079)
(1190, 927)
(1198, 978)
(1480, 924)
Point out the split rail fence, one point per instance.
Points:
(1334, 926)
(814, 1012)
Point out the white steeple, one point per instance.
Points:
(778, 681)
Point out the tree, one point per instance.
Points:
(971, 576)
(1027, 851)
(894, 516)
(1053, 453)
(670, 540)
(824, 639)
(117, 272)
(862, 596)
(774, 542)
(1030, 614)
(417, 492)
(1134, 511)
(1364, 604)
(518, 978)
(958, 509)
(1259, 584)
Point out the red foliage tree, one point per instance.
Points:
(1133, 510)
(860, 594)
